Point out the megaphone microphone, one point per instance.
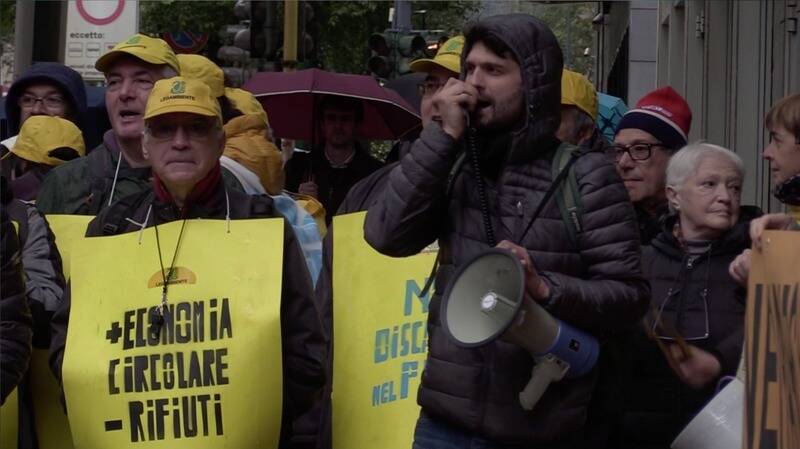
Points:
(486, 301)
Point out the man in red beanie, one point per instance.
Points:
(646, 138)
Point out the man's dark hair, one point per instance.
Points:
(343, 104)
(479, 32)
(229, 112)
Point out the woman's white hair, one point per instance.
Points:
(684, 163)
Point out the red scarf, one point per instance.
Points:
(202, 191)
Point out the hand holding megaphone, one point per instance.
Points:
(453, 104)
(488, 299)
(535, 286)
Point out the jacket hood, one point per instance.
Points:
(733, 241)
(68, 80)
(246, 142)
(537, 51)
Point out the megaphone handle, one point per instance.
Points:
(548, 369)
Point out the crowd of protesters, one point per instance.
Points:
(657, 269)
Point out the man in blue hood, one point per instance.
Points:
(46, 88)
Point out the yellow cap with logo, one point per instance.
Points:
(180, 94)
(448, 57)
(578, 91)
(149, 49)
(245, 102)
(203, 69)
(40, 135)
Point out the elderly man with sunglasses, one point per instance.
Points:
(183, 140)
(646, 138)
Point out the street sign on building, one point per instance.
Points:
(93, 28)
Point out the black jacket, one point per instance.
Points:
(302, 339)
(597, 286)
(332, 183)
(15, 318)
(657, 405)
(650, 225)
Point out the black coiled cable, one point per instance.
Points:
(472, 146)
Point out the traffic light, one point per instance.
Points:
(434, 39)
(379, 63)
(305, 29)
(393, 51)
(232, 49)
(257, 36)
(410, 47)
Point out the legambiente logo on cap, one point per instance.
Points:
(178, 87)
(177, 92)
(452, 47)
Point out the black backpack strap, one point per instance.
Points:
(567, 193)
(114, 220)
(115, 217)
(99, 185)
(261, 206)
(554, 185)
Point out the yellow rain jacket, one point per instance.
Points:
(247, 143)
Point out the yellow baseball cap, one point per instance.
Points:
(246, 103)
(448, 57)
(578, 91)
(149, 49)
(41, 134)
(203, 69)
(180, 94)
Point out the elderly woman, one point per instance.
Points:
(694, 333)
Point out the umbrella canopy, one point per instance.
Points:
(292, 100)
(610, 110)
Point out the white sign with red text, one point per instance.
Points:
(93, 28)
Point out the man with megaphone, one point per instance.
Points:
(484, 174)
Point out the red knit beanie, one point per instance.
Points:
(664, 114)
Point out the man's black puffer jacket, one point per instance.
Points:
(597, 287)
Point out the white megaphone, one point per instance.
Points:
(486, 300)
(719, 423)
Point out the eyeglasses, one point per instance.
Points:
(429, 87)
(637, 151)
(674, 310)
(196, 130)
(27, 101)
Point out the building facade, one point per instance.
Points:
(731, 60)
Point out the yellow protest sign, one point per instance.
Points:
(68, 229)
(381, 340)
(9, 411)
(50, 419)
(52, 427)
(9, 421)
(772, 331)
(209, 375)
